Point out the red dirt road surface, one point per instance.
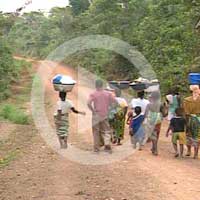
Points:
(39, 173)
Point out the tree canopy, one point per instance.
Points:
(162, 30)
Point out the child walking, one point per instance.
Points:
(136, 128)
(178, 127)
(61, 117)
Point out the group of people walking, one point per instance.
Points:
(109, 116)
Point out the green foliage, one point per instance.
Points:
(14, 114)
(79, 6)
(9, 69)
(6, 69)
(162, 30)
(9, 158)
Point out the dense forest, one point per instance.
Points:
(164, 31)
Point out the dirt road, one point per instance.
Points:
(42, 174)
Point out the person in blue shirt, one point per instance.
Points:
(136, 128)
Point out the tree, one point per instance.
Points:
(79, 6)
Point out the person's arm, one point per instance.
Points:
(77, 112)
(130, 115)
(89, 103)
(125, 111)
(170, 128)
(131, 128)
(146, 112)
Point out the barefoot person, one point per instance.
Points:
(99, 103)
(192, 110)
(119, 117)
(61, 117)
(173, 99)
(141, 102)
(154, 120)
(136, 128)
(177, 127)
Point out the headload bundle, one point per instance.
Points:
(119, 84)
(145, 84)
(63, 83)
(139, 84)
(194, 78)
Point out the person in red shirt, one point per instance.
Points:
(99, 103)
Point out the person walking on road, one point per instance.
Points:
(99, 103)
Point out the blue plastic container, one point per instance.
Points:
(194, 78)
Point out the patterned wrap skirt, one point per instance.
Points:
(62, 125)
(193, 137)
(154, 122)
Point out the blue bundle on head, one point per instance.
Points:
(194, 78)
(57, 79)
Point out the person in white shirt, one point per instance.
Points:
(61, 117)
(141, 102)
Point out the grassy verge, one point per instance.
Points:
(14, 114)
(14, 110)
(8, 158)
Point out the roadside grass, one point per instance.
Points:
(8, 158)
(16, 110)
(14, 114)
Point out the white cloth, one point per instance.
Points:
(141, 103)
(122, 102)
(169, 97)
(64, 106)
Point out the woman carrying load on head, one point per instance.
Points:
(141, 102)
(119, 117)
(173, 100)
(192, 111)
(61, 117)
(153, 116)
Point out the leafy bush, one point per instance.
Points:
(14, 114)
(9, 69)
(6, 68)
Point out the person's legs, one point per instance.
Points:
(119, 141)
(157, 135)
(153, 147)
(65, 142)
(146, 135)
(182, 142)
(96, 132)
(154, 140)
(105, 130)
(181, 150)
(156, 147)
(101, 139)
(140, 143)
(176, 149)
(196, 151)
(61, 141)
(135, 144)
(175, 138)
(188, 150)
